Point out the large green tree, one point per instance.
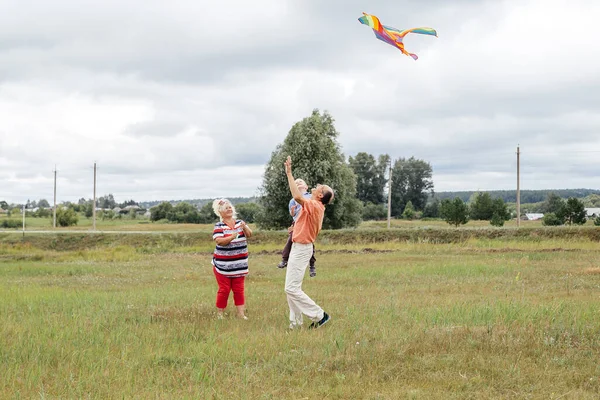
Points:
(593, 200)
(411, 181)
(553, 204)
(481, 207)
(575, 212)
(206, 215)
(43, 203)
(107, 201)
(183, 213)
(500, 213)
(248, 212)
(374, 212)
(432, 208)
(316, 158)
(160, 211)
(370, 177)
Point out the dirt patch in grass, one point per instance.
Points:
(334, 251)
(592, 271)
(513, 250)
(188, 314)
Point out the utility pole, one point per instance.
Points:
(54, 213)
(390, 196)
(518, 188)
(94, 203)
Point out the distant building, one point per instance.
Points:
(534, 216)
(592, 212)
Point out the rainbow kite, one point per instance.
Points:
(393, 36)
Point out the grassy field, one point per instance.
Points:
(133, 316)
(141, 224)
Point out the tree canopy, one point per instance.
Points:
(411, 181)
(316, 158)
(370, 177)
(455, 212)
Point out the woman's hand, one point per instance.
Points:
(246, 229)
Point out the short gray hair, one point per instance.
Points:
(219, 205)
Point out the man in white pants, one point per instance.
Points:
(306, 229)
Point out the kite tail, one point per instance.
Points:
(414, 56)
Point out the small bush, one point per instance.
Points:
(409, 211)
(375, 212)
(497, 220)
(66, 217)
(597, 221)
(551, 219)
(11, 224)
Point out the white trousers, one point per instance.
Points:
(298, 301)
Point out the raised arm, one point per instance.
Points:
(291, 182)
(225, 240)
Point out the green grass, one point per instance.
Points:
(133, 317)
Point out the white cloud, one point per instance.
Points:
(187, 100)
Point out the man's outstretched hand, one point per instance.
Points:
(288, 165)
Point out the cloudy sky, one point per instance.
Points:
(187, 99)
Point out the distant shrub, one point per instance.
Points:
(372, 212)
(109, 214)
(10, 224)
(409, 211)
(551, 219)
(66, 217)
(597, 221)
(247, 212)
(454, 212)
(497, 220)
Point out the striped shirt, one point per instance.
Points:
(232, 259)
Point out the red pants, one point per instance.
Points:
(227, 284)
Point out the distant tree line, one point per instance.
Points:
(527, 196)
(481, 206)
(186, 213)
(362, 187)
(198, 202)
(68, 213)
(411, 188)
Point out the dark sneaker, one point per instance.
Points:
(313, 271)
(320, 323)
(282, 264)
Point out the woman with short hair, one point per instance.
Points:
(230, 258)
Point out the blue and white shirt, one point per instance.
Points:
(295, 208)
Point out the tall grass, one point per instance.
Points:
(479, 318)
